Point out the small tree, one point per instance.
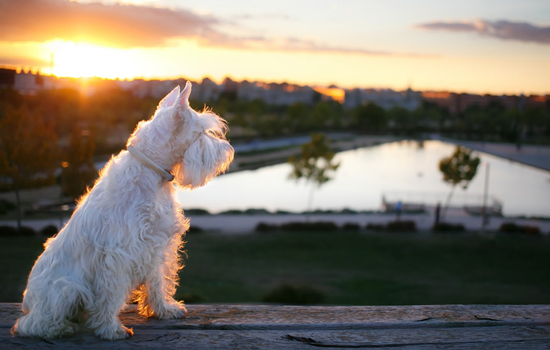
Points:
(28, 152)
(458, 169)
(314, 163)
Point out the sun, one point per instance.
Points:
(85, 60)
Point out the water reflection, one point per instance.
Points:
(399, 169)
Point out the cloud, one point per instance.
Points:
(14, 62)
(124, 25)
(116, 25)
(263, 16)
(505, 30)
(294, 44)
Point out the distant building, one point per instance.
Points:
(385, 98)
(274, 93)
(458, 103)
(27, 82)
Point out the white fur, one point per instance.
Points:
(124, 238)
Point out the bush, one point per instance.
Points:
(194, 229)
(401, 226)
(256, 212)
(6, 231)
(310, 226)
(49, 231)
(294, 295)
(375, 227)
(263, 227)
(6, 206)
(510, 227)
(231, 212)
(26, 231)
(448, 227)
(196, 212)
(351, 226)
(9, 231)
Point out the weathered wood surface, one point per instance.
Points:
(296, 327)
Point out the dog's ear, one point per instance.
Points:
(171, 98)
(183, 99)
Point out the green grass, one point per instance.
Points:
(361, 269)
(348, 268)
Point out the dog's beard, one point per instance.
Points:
(205, 158)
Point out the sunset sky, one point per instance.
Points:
(480, 46)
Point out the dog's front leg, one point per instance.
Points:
(159, 301)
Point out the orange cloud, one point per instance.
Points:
(129, 26)
(115, 25)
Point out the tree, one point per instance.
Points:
(458, 169)
(78, 167)
(370, 117)
(28, 152)
(298, 117)
(314, 163)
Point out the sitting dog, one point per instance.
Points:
(123, 240)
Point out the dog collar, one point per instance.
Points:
(150, 164)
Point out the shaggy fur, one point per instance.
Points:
(124, 238)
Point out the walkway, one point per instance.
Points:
(536, 156)
(242, 224)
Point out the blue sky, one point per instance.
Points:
(483, 46)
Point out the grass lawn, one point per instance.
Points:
(347, 268)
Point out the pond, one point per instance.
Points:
(405, 171)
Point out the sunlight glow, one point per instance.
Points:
(85, 60)
(336, 94)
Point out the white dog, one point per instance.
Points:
(123, 240)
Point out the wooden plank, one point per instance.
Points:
(299, 327)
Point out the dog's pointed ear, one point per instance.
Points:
(171, 98)
(183, 99)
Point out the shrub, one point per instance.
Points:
(448, 227)
(531, 230)
(49, 231)
(401, 226)
(294, 295)
(26, 231)
(351, 226)
(196, 212)
(510, 227)
(231, 212)
(283, 212)
(263, 227)
(348, 211)
(256, 212)
(6, 206)
(6, 231)
(375, 227)
(194, 229)
(310, 226)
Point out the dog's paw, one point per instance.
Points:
(114, 333)
(173, 311)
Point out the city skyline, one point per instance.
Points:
(494, 47)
